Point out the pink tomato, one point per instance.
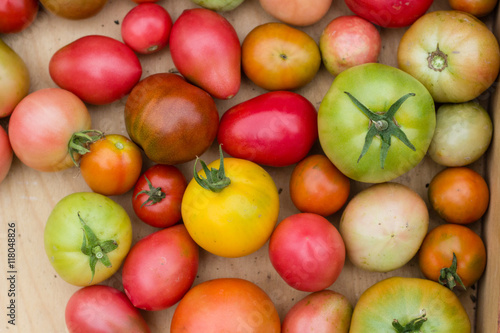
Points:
(6, 154)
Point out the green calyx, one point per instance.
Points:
(79, 142)
(155, 194)
(216, 179)
(95, 249)
(412, 326)
(383, 125)
(448, 276)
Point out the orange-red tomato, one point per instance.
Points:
(477, 8)
(459, 195)
(112, 166)
(317, 186)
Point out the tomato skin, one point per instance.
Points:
(74, 9)
(112, 166)
(274, 129)
(160, 268)
(317, 186)
(296, 12)
(107, 69)
(459, 195)
(478, 8)
(102, 309)
(15, 15)
(206, 306)
(167, 211)
(6, 154)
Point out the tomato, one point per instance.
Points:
(383, 226)
(276, 56)
(230, 211)
(146, 28)
(112, 165)
(400, 304)
(157, 195)
(219, 5)
(46, 127)
(390, 13)
(307, 251)
(452, 255)
(376, 122)
(459, 195)
(102, 309)
(463, 134)
(324, 311)
(106, 69)
(276, 129)
(348, 41)
(74, 9)
(317, 186)
(171, 119)
(458, 59)
(15, 15)
(6, 154)
(478, 8)
(160, 268)
(206, 306)
(144, 1)
(87, 236)
(296, 12)
(14, 79)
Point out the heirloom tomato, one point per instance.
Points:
(17, 15)
(478, 8)
(452, 255)
(87, 236)
(219, 5)
(102, 309)
(6, 154)
(452, 53)
(157, 195)
(74, 9)
(400, 304)
(376, 122)
(226, 305)
(230, 211)
(297, 12)
(277, 128)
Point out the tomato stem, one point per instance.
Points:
(412, 326)
(437, 60)
(79, 142)
(216, 179)
(155, 194)
(449, 275)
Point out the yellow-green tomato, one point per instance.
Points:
(235, 214)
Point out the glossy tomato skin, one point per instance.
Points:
(74, 9)
(317, 186)
(160, 268)
(42, 125)
(106, 69)
(389, 13)
(206, 306)
(445, 240)
(307, 251)
(478, 8)
(16, 15)
(112, 165)
(159, 212)
(146, 28)
(274, 129)
(102, 309)
(6, 154)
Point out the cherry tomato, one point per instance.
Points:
(17, 15)
(157, 195)
(459, 195)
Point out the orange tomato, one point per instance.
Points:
(478, 8)
(459, 195)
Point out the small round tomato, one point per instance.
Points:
(317, 186)
(6, 154)
(146, 28)
(459, 195)
(112, 165)
(478, 8)
(74, 9)
(225, 305)
(17, 15)
(452, 255)
(158, 195)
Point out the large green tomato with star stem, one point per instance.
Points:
(376, 122)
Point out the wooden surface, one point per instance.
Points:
(27, 196)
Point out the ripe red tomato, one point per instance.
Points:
(157, 195)
(17, 15)
(459, 195)
(317, 186)
(6, 154)
(112, 165)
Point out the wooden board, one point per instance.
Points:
(27, 196)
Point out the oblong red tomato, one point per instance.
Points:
(277, 128)
(106, 69)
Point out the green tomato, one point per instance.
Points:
(87, 236)
(376, 122)
(219, 5)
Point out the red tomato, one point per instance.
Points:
(157, 195)
(275, 129)
(478, 8)
(102, 309)
(225, 305)
(144, 1)
(112, 165)
(6, 154)
(146, 28)
(17, 15)
(317, 186)
(307, 251)
(160, 268)
(106, 69)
